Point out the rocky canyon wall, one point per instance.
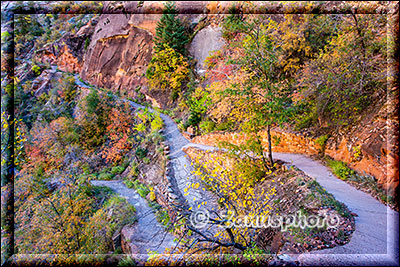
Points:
(119, 51)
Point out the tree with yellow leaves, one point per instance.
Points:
(259, 96)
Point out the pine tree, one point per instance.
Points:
(170, 30)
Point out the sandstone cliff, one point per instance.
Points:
(118, 54)
(68, 52)
(122, 45)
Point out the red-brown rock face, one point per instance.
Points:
(119, 51)
(68, 52)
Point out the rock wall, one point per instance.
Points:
(122, 44)
(281, 141)
(68, 52)
(119, 51)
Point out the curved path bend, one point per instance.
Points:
(149, 234)
(375, 240)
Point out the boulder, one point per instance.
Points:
(206, 40)
(127, 235)
(45, 82)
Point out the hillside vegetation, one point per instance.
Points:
(312, 74)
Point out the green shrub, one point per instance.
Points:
(207, 126)
(125, 164)
(163, 217)
(117, 170)
(224, 126)
(106, 176)
(134, 172)
(99, 191)
(340, 169)
(36, 70)
(146, 160)
(85, 168)
(115, 213)
(321, 141)
(305, 121)
(129, 184)
(87, 42)
(127, 261)
(193, 120)
(141, 188)
(141, 152)
(156, 137)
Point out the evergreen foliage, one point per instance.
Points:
(170, 31)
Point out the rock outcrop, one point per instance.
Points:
(45, 82)
(68, 52)
(206, 40)
(126, 236)
(122, 44)
(120, 51)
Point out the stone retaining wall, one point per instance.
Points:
(373, 156)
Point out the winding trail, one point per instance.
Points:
(149, 234)
(182, 170)
(375, 240)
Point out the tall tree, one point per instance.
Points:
(170, 30)
(262, 94)
(349, 75)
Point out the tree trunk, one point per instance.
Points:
(270, 145)
(265, 163)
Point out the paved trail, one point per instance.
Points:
(182, 168)
(375, 240)
(149, 235)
